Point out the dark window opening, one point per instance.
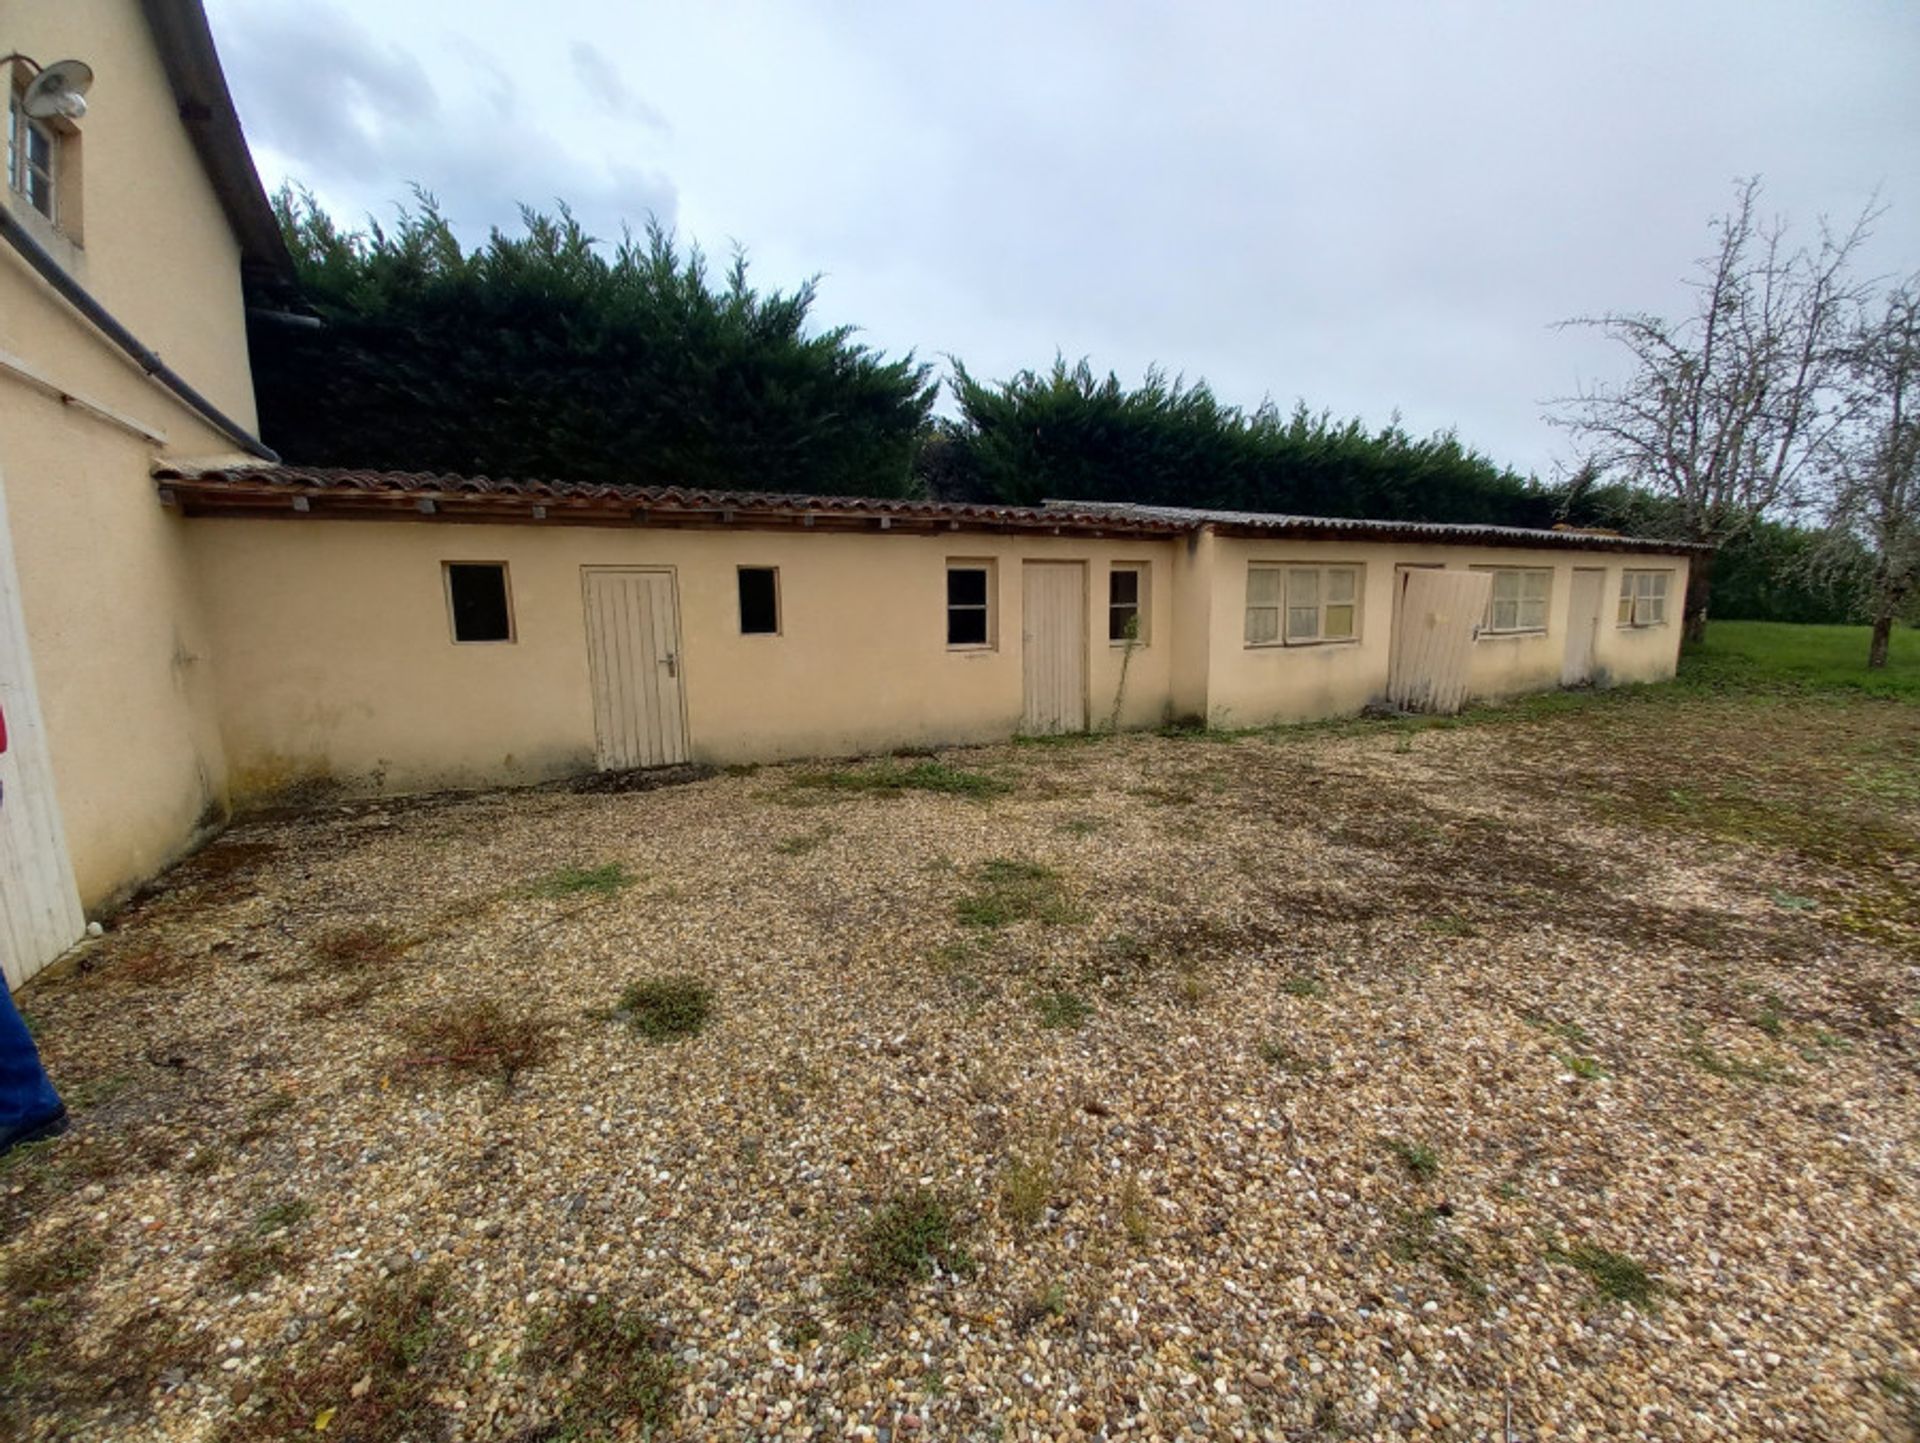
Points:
(966, 606)
(479, 594)
(1123, 605)
(759, 600)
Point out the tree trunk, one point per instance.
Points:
(1699, 593)
(1877, 648)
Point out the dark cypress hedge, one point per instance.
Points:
(542, 354)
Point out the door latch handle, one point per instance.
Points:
(673, 664)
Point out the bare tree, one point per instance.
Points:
(1732, 411)
(1875, 498)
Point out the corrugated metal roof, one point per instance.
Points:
(1453, 532)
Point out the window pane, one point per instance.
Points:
(1506, 585)
(1340, 583)
(1625, 613)
(1506, 615)
(1303, 623)
(1303, 588)
(759, 600)
(1535, 585)
(1339, 619)
(479, 594)
(1659, 583)
(966, 586)
(1533, 613)
(1263, 586)
(1123, 623)
(1263, 624)
(1123, 587)
(967, 626)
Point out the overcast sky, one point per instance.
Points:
(1368, 206)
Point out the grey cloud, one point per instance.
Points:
(1373, 208)
(361, 121)
(603, 82)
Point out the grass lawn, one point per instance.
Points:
(1549, 1071)
(1774, 655)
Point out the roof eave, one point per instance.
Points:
(195, 498)
(1465, 536)
(185, 42)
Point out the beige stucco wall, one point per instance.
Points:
(1254, 685)
(119, 649)
(336, 660)
(156, 250)
(336, 657)
(120, 654)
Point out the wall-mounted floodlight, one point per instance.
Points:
(60, 89)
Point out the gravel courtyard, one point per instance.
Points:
(1556, 1076)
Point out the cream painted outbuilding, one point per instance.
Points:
(634, 637)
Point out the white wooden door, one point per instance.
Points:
(1583, 624)
(1438, 616)
(1053, 646)
(40, 914)
(633, 651)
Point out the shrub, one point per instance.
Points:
(479, 1039)
(907, 1239)
(370, 1375)
(664, 1007)
(618, 1370)
(1009, 891)
(1614, 1275)
(604, 881)
(1419, 1159)
(890, 779)
(1062, 1009)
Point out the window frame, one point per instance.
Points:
(1141, 572)
(779, 607)
(22, 170)
(1629, 598)
(1519, 628)
(453, 615)
(1285, 603)
(989, 607)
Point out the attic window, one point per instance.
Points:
(478, 601)
(33, 157)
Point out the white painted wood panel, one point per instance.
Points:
(633, 652)
(1583, 623)
(40, 914)
(1053, 646)
(1435, 622)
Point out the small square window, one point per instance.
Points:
(1643, 598)
(1302, 605)
(969, 605)
(1517, 601)
(759, 601)
(477, 597)
(1127, 604)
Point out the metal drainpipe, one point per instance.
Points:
(149, 361)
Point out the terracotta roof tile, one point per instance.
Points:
(247, 487)
(340, 491)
